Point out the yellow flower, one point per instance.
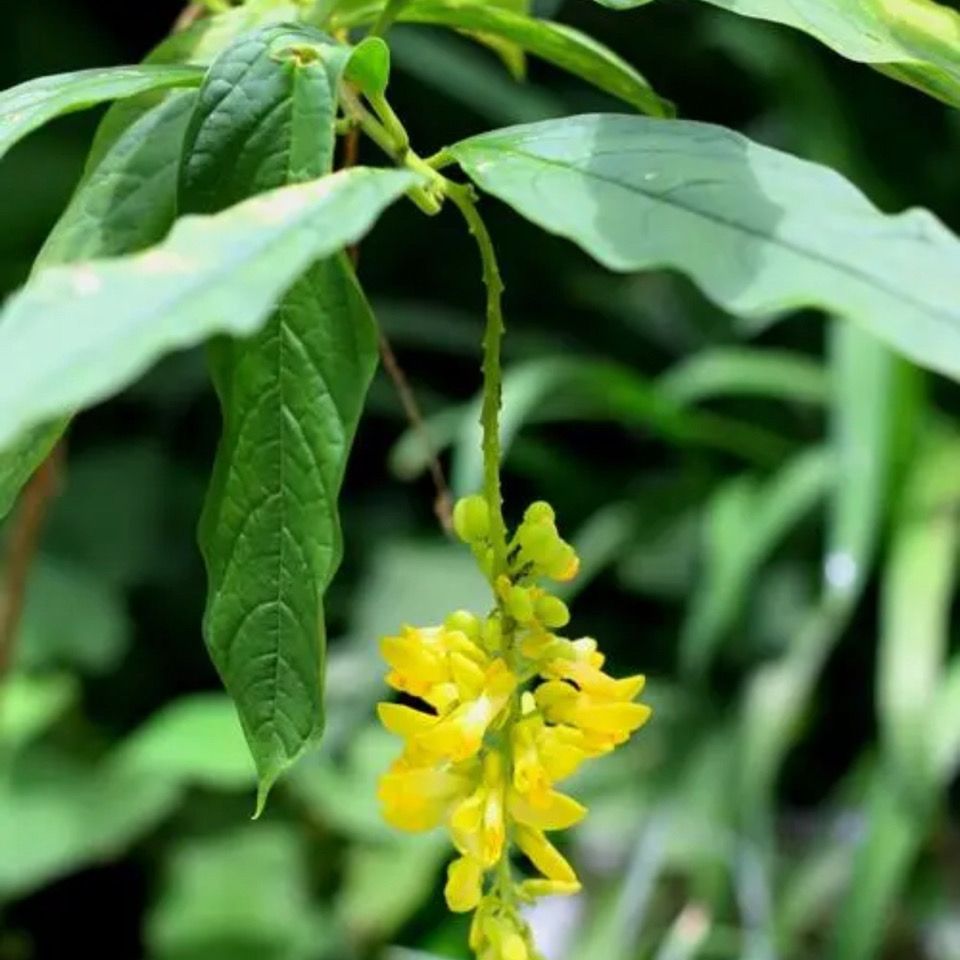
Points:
(482, 697)
(481, 756)
(420, 662)
(416, 798)
(478, 824)
(544, 855)
(498, 933)
(464, 884)
(605, 722)
(544, 755)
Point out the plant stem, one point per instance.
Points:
(22, 548)
(388, 16)
(464, 199)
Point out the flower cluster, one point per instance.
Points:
(500, 710)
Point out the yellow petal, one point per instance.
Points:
(544, 855)
(514, 948)
(464, 885)
(612, 717)
(558, 813)
(404, 721)
(534, 889)
(468, 677)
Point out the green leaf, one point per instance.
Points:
(760, 231)
(745, 522)
(74, 335)
(918, 590)
(71, 618)
(19, 460)
(25, 108)
(915, 41)
(291, 395)
(30, 704)
(556, 43)
(946, 723)
(746, 371)
(57, 816)
(200, 44)
(873, 413)
(238, 896)
(195, 740)
(127, 202)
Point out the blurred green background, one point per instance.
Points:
(767, 516)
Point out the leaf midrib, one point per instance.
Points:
(945, 318)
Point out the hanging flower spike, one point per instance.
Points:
(482, 755)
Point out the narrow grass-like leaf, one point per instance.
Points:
(76, 334)
(761, 232)
(32, 104)
(872, 409)
(746, 371)
(556, 43)
(919, 585)
(894, 834)
(291, 395)
(745, 523)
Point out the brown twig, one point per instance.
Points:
(443, 504)
(21, 549)
(190, 14)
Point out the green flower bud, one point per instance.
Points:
(520, 604)
(492, 634)
(471, 519)
(552, 612)
(540, 512)
(466, 622)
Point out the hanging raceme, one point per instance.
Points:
(496, 708)
(502, 709)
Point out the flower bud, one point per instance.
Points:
(492, 634)
(552, 612)
(471, 519)
(466, 622)
(540, 512)
(519, 604)
(564, 565)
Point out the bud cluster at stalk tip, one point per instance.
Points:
(501, 709)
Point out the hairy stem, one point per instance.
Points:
(465, 200)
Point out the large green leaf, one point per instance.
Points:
(916, 41)
(760, 231)
(127, 202)
(32, 104)
(76, 334)
(556, 43)
(291, 399)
